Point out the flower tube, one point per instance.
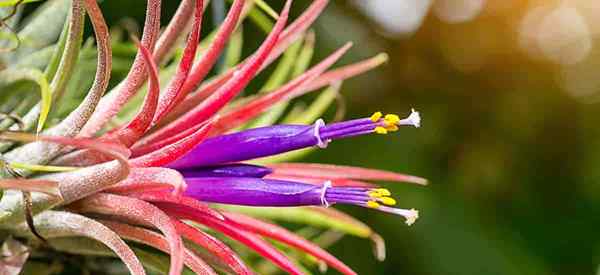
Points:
(267, 192)
(272, 140)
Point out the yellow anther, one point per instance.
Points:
(387, 201)
(375, 194)
(383, 191)
(373, 204)
(391, 119)
(376, 116)
(381, 130)
(392, 128)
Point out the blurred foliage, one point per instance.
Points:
(510, 153)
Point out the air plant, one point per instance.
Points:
(194, 169)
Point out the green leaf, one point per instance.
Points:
(233, 55)
(266, 8)
(42, 28)
(317, 108)
(10, 76)
(278, 78)
(261, 20)
(305, 215)
(11, 3)
(42, 168)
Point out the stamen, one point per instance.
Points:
(373, 204)
(381, 192)
(317, 133)
(391, 119)
(387, 201)
(376, 116)
(380, 130)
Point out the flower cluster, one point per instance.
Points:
(123, 169)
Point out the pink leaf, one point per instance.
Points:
(80, 183)
(283, 235)
(288, 36)
(211, 55)
(153, 239)
(214, 246)
(181, 201)
(140, 212)
(329, 171)
(253, 108)
(111, 104)
(321, 181)
(43, 186)
(174, 91)
(142, 121)
(54, 224)
(142, 148)
(128, 134)
(252, 241)
(346, 72)
(230, 89)
(147, 179)
(169, 37)
(173, 151)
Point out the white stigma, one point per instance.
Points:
(413, 119)
(411, 215)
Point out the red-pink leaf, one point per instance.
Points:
(288, 36)
(170, 36)
(32, 185)
(252, 241)
(329, 171)
(140, 212)
(111, 104)
(346, 72)
(283, 235)
(131, 132)
(227, 92)
(214, 246)
(153, 239)
(174, 91)
(80, 183)
(149, 179)
(55, 224)
(173, 151)
(181, 201)
(213, 52)
(141, 122)
(253, 108)
(142, 148)
(321, 181)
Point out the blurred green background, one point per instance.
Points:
(509, 139)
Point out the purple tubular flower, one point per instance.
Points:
(230, 170)
(267, 192)
(272, 140)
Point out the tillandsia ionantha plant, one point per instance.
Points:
(189, 176)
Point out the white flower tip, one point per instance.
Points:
(411, 216)
(414, 118)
